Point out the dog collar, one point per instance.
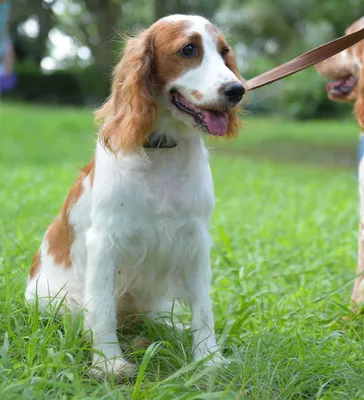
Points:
(157, 141)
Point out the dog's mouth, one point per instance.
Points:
(212, 121)
(341, 87)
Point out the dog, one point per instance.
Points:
(346, 69)
(133, 232)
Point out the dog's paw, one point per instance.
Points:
(119, 368)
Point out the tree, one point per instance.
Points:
(33, 49)
(92, 23)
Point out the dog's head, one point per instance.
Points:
(182, 66)
(344, 69)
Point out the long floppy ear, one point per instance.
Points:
(129, 113)
(234, 120)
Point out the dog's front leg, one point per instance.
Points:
(100, 317)
(198, 281)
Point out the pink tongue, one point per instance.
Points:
(341, 84)
(335, 84)
(216, 121)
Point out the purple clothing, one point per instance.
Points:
(8, 82)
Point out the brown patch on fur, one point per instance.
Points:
(230, 61)
(130, 110)
(358, 50)
(359, 105)
(169, 39)
(89, 170)
(60, 234)
(35, 265)
(335, 67)
(229, 58)
(197, 95)
(234, 123)
(359, 111)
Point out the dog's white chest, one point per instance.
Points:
(161, 218)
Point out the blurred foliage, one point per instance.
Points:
(60, 87)
(203, 7)
(74, 86)
(264, 34)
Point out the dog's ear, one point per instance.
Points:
(129, 113)
(234, 120)
(230, 62)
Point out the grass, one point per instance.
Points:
(285, 232)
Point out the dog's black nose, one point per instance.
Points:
(234, 92)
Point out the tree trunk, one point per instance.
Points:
(108, 14)
(45, 25)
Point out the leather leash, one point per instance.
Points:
(306, 60)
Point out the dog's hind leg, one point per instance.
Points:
(52, 299)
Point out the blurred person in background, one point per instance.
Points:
(7, 75)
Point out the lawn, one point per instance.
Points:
(285, 233)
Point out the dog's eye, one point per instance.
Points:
(224, 51)
(189, 50)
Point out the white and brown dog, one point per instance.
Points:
(133, 232)
(346, 69)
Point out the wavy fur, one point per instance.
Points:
(130, 110)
